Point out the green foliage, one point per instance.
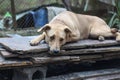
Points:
(115, 19)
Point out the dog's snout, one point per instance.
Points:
(55, 51)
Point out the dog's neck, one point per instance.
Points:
(60, 21)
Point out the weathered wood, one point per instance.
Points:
(110, 57)
(1, 49)
(46, 60)
(105, 50)
(81, 51)
(90, 44)
(7, 54)
(37, 59)
(13, 63)
(10, 55)
(21, 45)
(55, 59)
(105, 74)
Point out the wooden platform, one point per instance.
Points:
(18, 52)
(106, 74)
(21, 45)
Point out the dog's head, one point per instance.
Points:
(56, 36)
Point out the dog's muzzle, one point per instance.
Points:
(55, 51)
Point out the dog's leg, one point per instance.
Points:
(101, 35)
(101, 38)
(103, 32)
(111, 33)
(37, 40)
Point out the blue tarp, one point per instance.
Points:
(36, 18)
(40, 17)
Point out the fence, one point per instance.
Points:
(19, 10)
(14, 9)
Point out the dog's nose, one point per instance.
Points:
(56, 51)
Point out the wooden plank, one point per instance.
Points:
(7, 54)
(21, 45)
(10, 63)
(91, 51)
(1, 49)
(112, 54)
(46, 60)
(90, 44)
(114, 76)
(105, 74)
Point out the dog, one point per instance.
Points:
(68, 27)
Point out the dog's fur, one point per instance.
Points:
(68, 27)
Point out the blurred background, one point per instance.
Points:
(24, 17)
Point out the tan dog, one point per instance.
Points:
(68, 27)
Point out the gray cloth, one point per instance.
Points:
(53, 11)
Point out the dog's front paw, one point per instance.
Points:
(34, 42)
(101, 38)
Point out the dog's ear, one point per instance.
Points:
(68, 33)
(44, 28)
(67, 30)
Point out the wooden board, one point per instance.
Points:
(1, 49)
(89, 43)
(46, 60)
(75, 58)
(7, 54)
(10, 63)
(21, 45)
(104, 50)
(105, 74)
(107, 51)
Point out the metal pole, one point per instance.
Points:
(13, 14)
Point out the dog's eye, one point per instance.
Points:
(61, 39)
(52, 38)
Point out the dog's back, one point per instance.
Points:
(79, 24)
